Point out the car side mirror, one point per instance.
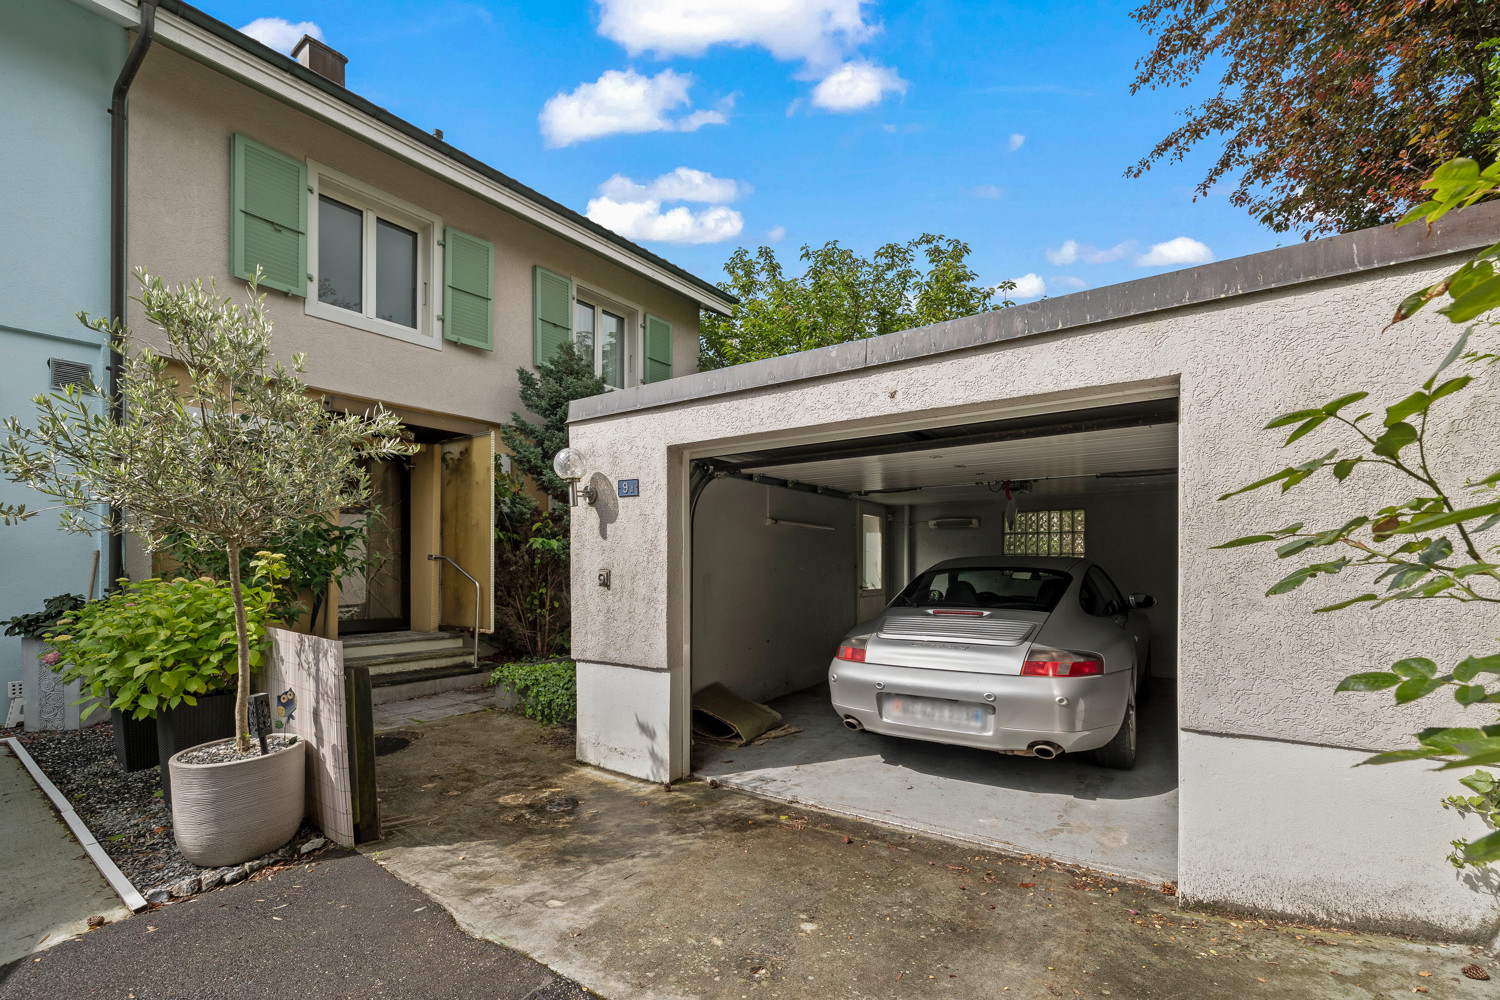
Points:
(1142, 601)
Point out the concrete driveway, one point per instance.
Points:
(702, 892)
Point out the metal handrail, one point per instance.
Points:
(475, 582)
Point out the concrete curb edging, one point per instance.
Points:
(128, 893)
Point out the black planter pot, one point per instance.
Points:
(189, 725)
(135, 741)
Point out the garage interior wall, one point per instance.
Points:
(1130, 530)
(770, 602)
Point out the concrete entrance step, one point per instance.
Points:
(414, 664)
(385, 662)
(378, 643)
(398, 687)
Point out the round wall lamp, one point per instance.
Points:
(568, 465)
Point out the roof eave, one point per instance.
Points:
(214, 43)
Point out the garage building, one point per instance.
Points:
(776, 504)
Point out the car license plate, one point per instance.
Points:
(937, 713)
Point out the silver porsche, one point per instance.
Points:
(1020, 654)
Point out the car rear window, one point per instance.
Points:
(1019, 588)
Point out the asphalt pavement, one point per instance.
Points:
(339, 927)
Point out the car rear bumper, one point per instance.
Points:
(1076, 713)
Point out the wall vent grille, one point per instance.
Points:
(66, 373)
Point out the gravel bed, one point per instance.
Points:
(222, 753)
(125, 812)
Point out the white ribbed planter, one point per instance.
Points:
(224, 814)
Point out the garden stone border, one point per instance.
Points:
(213, 878)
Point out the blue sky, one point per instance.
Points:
(696, 126)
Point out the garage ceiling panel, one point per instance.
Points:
(1119, 450)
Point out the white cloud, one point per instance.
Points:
(1182, 250)
(855, 85)
(1071, 252)
(279, 33)
(634, 209)
(682, 184)
(816, 32)
(776, 234)
(1065, 254)
(1029, 286)
(988, 192)
(1069, 281)
(645, 220)
(700, 118)
(625, 101)
(1015, 142)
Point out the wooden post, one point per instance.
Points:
(425, 518)
(360, 725)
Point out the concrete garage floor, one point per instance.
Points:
(634, 891)
(1123, 822)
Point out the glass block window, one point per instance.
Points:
(1046, 533)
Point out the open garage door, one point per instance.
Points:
(794, 546)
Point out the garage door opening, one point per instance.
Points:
(793, 546)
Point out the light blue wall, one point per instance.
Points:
(58, 64)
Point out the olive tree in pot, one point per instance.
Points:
(225, 445)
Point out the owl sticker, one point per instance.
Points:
(286, 705)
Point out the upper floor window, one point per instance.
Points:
(373, 259)
(606, 332)
(628, 347)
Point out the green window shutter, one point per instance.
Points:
(468, 290)
(554, 314)
(268, 220)
(658, 349)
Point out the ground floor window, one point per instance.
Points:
(1046, 533)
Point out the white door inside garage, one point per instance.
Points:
(794, 544)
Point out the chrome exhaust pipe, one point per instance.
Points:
(850, 722)
(1045, 750)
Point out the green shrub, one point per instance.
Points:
(155, 644)
(546, 691)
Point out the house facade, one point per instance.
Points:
(58, 62)
(411, 275)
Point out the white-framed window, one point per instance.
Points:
(1046, 533)
(372, 259)
(871, 552)
(610, 329)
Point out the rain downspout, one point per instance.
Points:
(144, 34)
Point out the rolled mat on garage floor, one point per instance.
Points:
(723, 717)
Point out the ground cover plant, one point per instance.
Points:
(546, 691)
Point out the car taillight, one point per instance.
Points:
(854, 649)
(1043, 661)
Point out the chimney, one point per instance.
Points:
(321, 59)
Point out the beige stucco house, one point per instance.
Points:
(410, 274)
